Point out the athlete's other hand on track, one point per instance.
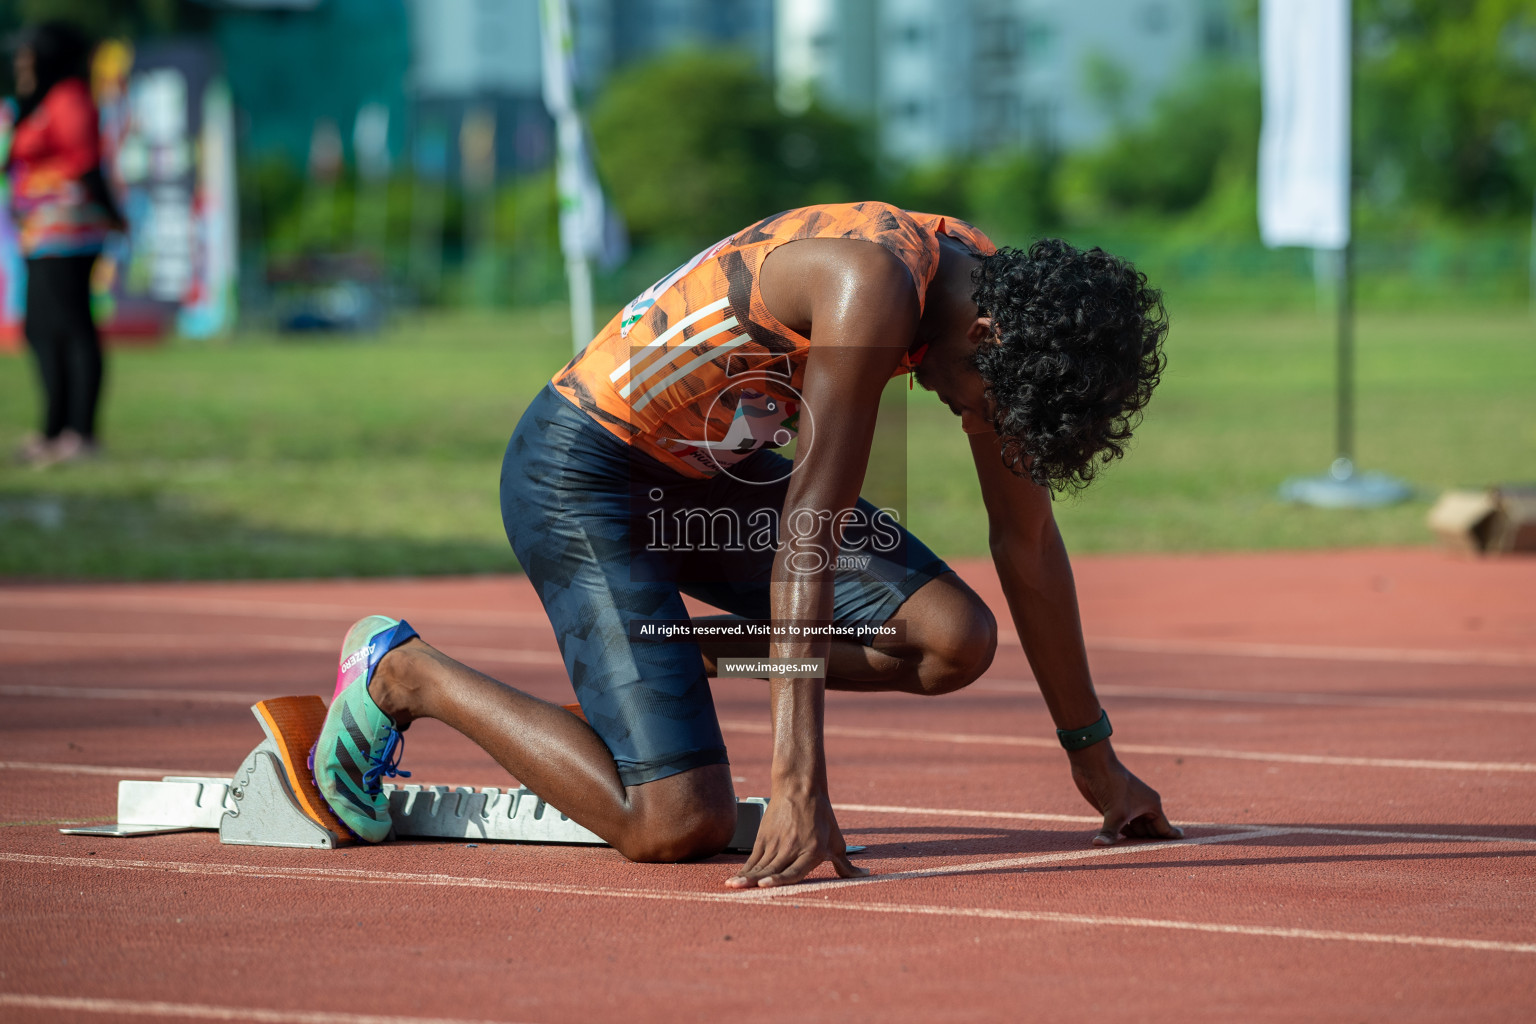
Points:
(797, 834)
(1131, 808)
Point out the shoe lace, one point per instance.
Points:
(386, 763)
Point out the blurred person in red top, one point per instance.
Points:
(63, 213)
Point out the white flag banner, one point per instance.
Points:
(558, 54)
(583, 218)
(1304, 147)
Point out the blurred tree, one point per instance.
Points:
(527, 226)
(691, 146)
(1445, 119)
(935, 187)
(1446, 109)
(104, 18)
(1108, 84)
(1170, 162)
(1012, 195)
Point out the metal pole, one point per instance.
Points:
(1345, 411)
(1344, 464)
(579, 273)
(1342, 486)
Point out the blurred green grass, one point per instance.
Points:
(269, 457)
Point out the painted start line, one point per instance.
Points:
(808, 895)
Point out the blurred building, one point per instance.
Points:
(290, 65)
(480, 57)
(940, 77)
(937, 77)
(432, 62)
(485, 54)
(612, 33)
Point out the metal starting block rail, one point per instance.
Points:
(261, 806)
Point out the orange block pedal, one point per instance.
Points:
(293, 724)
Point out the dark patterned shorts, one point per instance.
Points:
(612, 539)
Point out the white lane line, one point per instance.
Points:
(805, 898)
(1089, 819)
(99, 769)
(112, 693)
(955, 812)
(1307, 652)
(361, 876)
(1329, 759)
(156, 604)
(164, 641)
(1480, 945)
(851, 732)
(1321, 699)
(1011, 863)
(983, 739)
(1429, 837)
(855, 732)
(344, 613)
(136, 772)
(1024, 687)
(1280, 697)
(524, 656)
(173, 642)
(202, 1011)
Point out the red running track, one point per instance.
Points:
(1346, 736)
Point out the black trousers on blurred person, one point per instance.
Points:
(64, 339)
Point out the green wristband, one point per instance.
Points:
(1078, 739)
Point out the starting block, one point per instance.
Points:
(272, 800)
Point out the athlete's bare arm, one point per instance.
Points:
(858, 305)
(1037, 581)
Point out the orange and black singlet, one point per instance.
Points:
(695, 371)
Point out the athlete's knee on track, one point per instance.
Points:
(956, 655)
(686, 834)
(681, 817)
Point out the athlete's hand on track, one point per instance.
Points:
(798, 833)
(1131, 808)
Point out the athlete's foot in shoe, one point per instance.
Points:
(390, 688)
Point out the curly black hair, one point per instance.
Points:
(1079, 338)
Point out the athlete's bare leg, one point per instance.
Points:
(557, 755)
(949, 640)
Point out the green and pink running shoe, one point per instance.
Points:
(358, 743)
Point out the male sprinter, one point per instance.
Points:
(795, 324)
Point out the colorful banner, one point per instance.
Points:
(167, 134)
(208, 307)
